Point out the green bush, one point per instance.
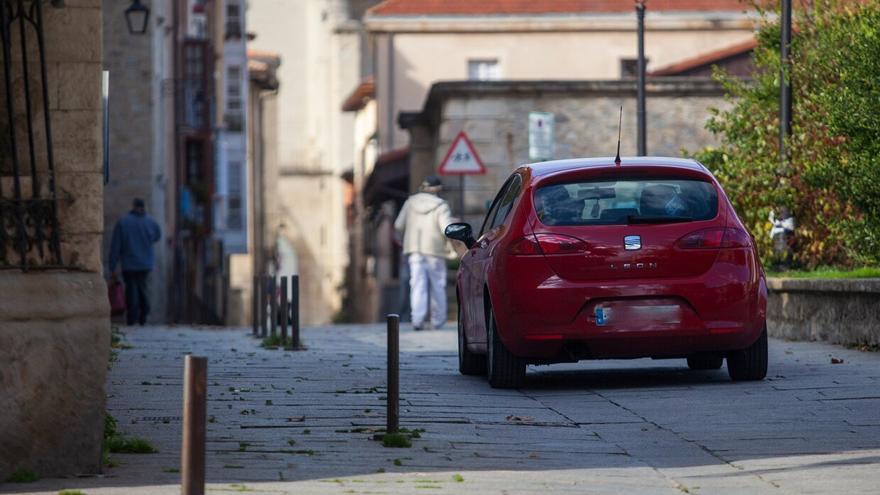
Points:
(830, 181)
(22, 476)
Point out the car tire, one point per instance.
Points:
(504, 370)
(705, 362)
(751, 362)
(469, 363)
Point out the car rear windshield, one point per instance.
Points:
(626, 201)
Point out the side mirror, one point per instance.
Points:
(461, 232)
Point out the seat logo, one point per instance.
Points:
(632, 242)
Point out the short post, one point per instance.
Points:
(255, 305)
(294, 324)
(285, 311)
(263, 281)
(393, 393)
(273, 305)
(195, 405)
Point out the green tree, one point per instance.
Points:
(830, 180)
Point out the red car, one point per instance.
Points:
(586, 259)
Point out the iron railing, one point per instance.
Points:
(29, 233)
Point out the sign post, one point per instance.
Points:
(461, 159)
(541, 140)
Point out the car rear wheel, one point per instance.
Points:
(504, 369)
(469, 363)
(705, 362)
(751, 362)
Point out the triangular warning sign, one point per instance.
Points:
(462, 158)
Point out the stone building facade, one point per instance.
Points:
(263, 217)
(416, 43)
(495, 116)
(54, 316)
(322, 45)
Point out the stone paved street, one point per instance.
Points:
(299, 422)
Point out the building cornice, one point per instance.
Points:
(656, 21)
(656, 86)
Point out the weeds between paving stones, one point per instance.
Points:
(402, 439)
(396, 440)
(273, 342)
(118, 443)
(22, 476)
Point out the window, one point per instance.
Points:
(502, 204)
(233, 21)
(195, 72)
(234, 115)
(234, 220)
(629, 67)
(507, 201)
(484, 70)
(622, 202)
(194, 161)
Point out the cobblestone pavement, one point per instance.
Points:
(300, 422)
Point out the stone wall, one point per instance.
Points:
(836, 311)
(495, 117)
(54, 346)
(54, 325)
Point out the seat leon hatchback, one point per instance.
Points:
(588, 259)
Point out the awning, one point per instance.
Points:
(389, 180)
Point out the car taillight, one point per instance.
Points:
(715, 238)
(547, 244)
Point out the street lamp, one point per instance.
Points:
(137, 15)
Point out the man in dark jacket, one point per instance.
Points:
(132, 247)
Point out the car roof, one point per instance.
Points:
(542, 169)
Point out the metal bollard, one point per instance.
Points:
(195, 405)
(255, 305)
(285, 311)
(393, 392)
(273, 305)
(294, 324)
(264, 280)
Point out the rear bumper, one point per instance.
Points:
(544, 318)
(577, 344)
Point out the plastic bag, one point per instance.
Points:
(116, 294)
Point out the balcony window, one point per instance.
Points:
(233, 21)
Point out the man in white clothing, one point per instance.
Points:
(421, 223)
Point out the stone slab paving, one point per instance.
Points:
(300, 422)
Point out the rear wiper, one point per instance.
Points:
(633, 219)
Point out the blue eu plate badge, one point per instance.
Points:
(602, 315)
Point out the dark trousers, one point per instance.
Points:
(137, 303)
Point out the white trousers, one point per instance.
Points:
(427, 278)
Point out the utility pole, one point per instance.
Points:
(640, 81)
(785, 90)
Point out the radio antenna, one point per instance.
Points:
(619, 122)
